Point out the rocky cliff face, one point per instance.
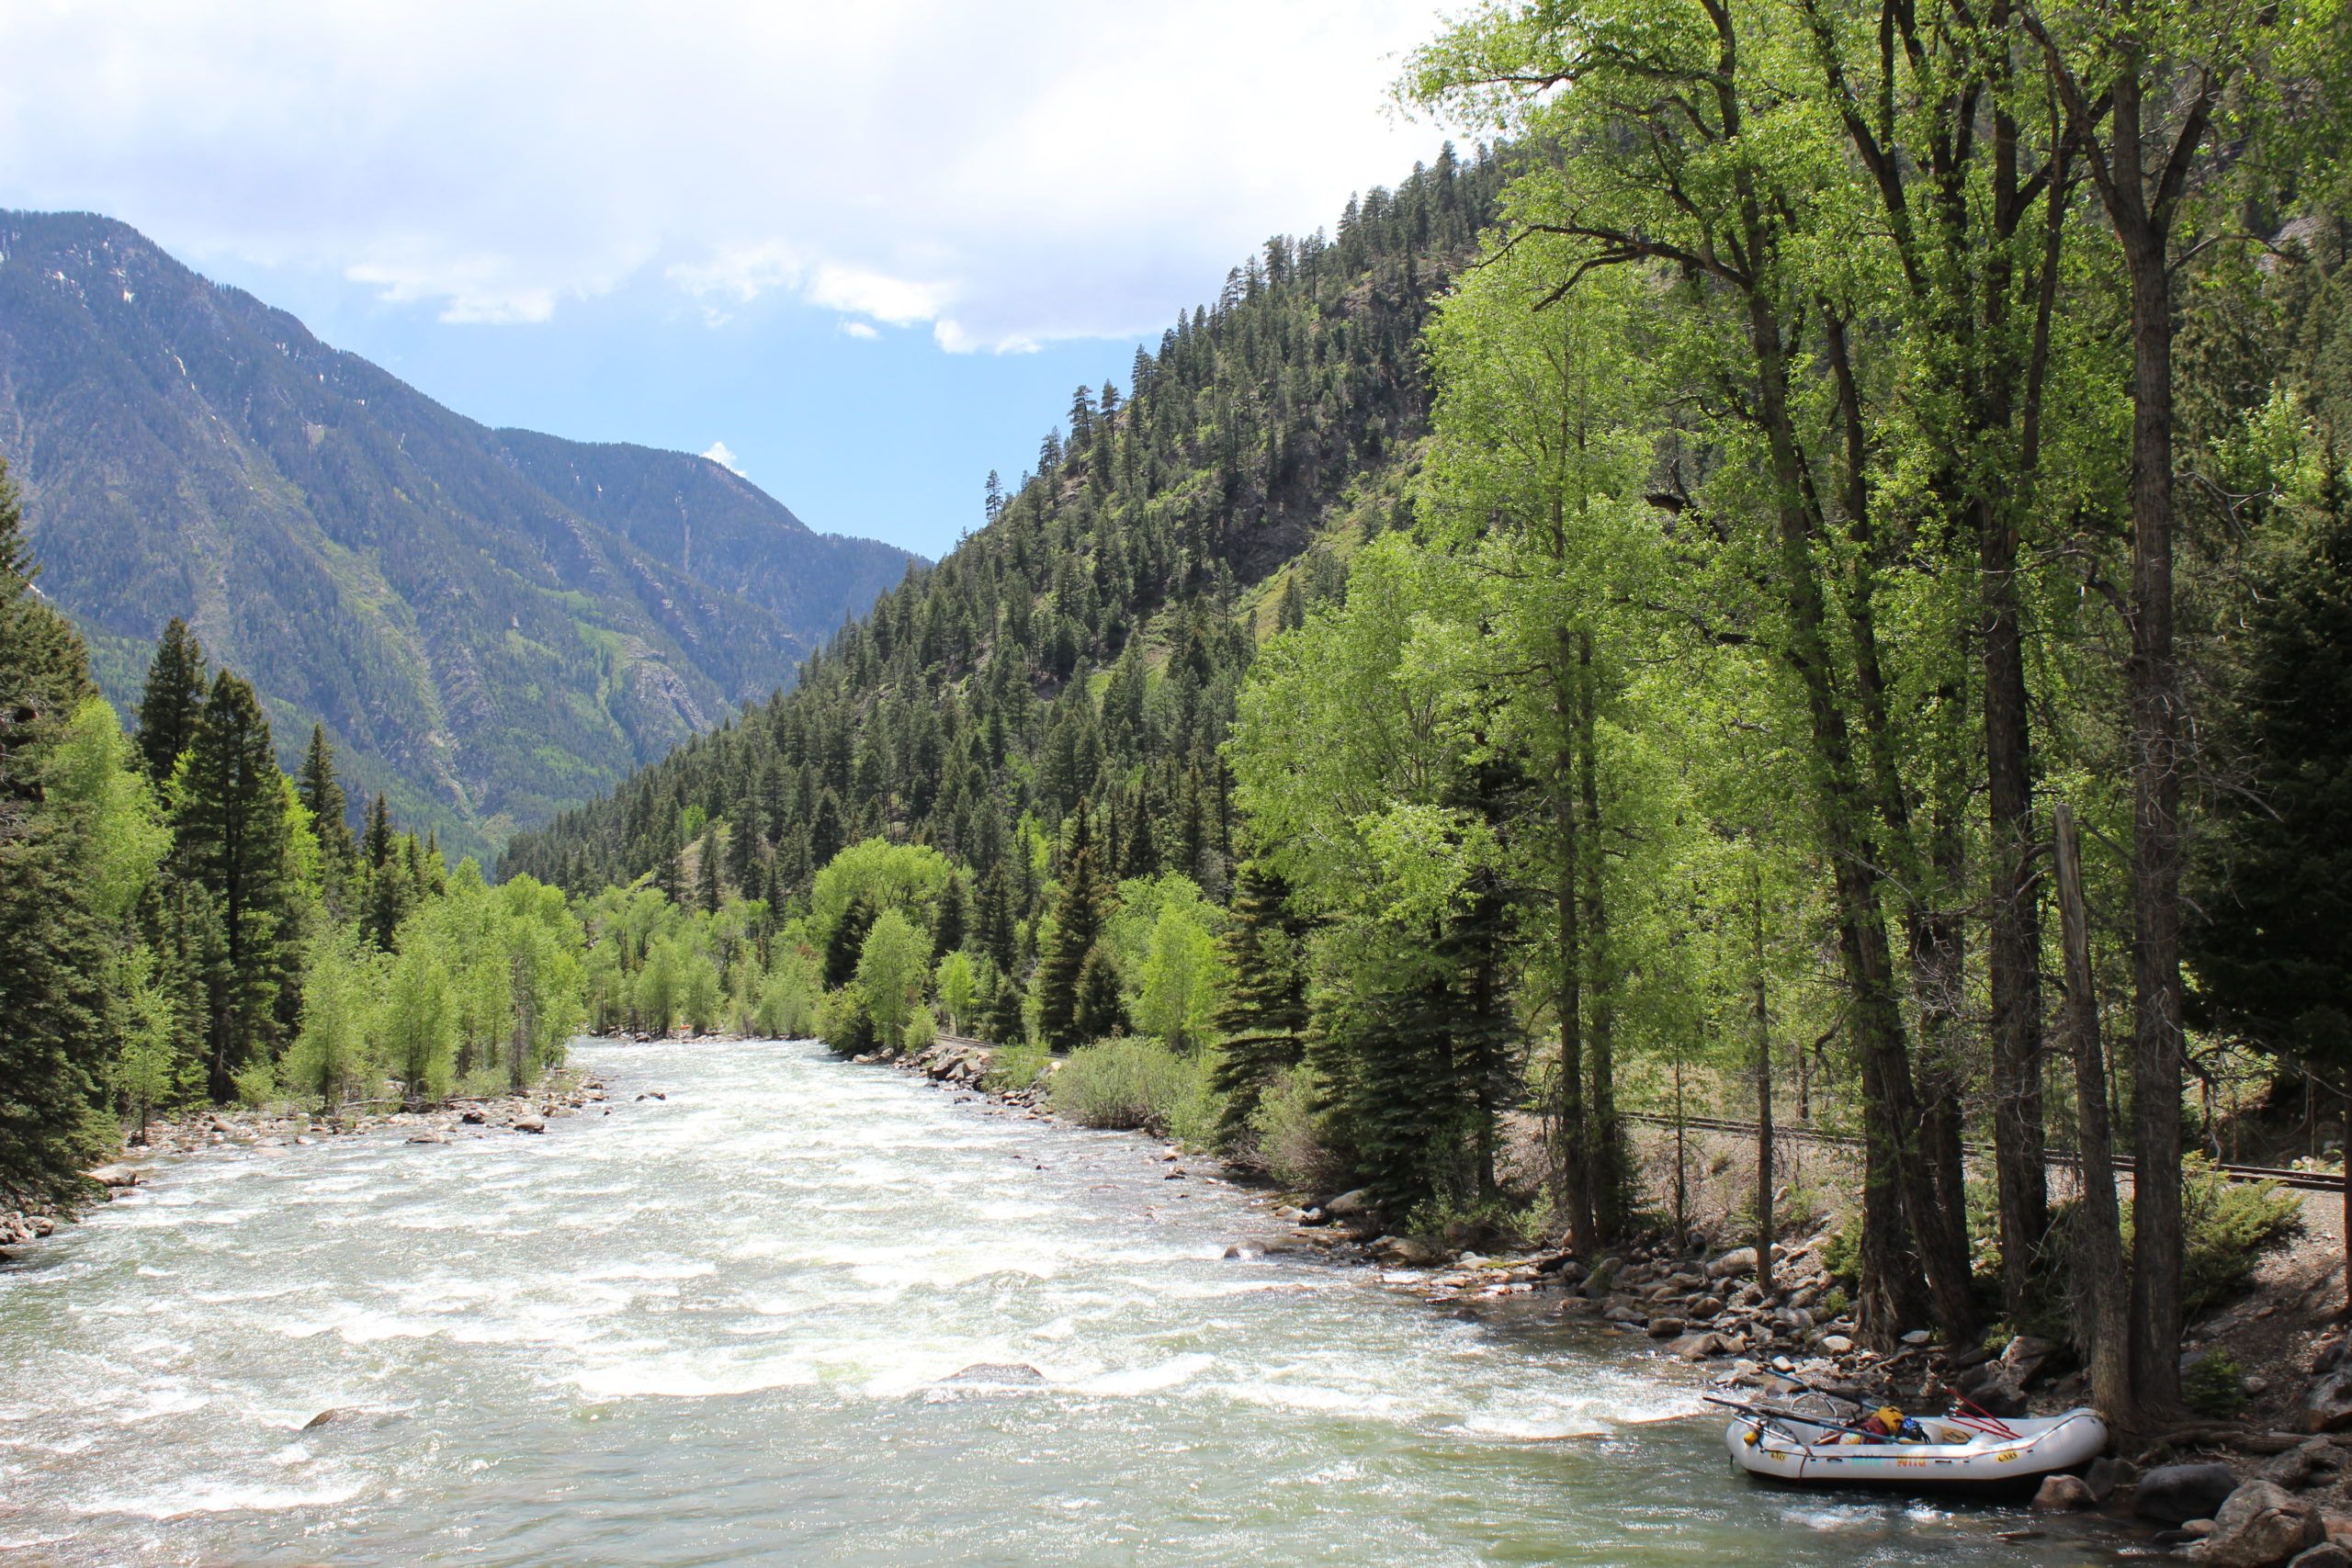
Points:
(490, 623)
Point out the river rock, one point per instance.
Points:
(1835, 1344)
(999, 1374)
(340, 1413)
(114, 1176)
(2291, 1470)
(1407, 1251)
(2327, 1404)
(2327, 1554)
(2022, 1357)
(1348, 1203)
(530, 1125)
(1738, 1261)
(2105, 1475)
(429, 1138)
(473, 1118)
(2175, 1494)
(1245, 1249)
(2063, 1494)
(1697, 1347)
(2260, 1525)
(1665, 1327)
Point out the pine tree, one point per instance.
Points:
(233, 838)
(707, 890)
(841, 949)
(1078, 923)
(1263, 1019)
(385, 893)
(947, 926)
(2273, 948)
(320, 791)
(1099, 1011)
(173, 700)
(1000, 1019)
(53, 945)
(998, 939)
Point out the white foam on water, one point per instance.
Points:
(650, 1271)
(224, 1500)
(1527, 1428)
(1314, 1398)
(688, 1377)
(170, 1400)
(1156, 1379)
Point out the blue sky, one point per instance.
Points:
(870, 249)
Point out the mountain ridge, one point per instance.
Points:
(492, 624)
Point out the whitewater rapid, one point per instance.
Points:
(715, 1327)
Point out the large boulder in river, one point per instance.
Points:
(2176, 1494)
(1738, 1261)
(2063, 1494)
(1349, 1203)
(2260, 1525)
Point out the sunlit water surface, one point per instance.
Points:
(711, 1329)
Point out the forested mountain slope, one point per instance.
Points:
(493, 624)
(1119, 570)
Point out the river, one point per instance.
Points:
(712, 1329)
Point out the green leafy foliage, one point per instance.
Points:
(1138, 1082)
(2214, 1385)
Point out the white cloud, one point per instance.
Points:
(717, 453)
(1008, 175)
(859, 329)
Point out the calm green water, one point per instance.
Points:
(708, 1330)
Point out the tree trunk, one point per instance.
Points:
(2155, 804)
(1572, 1154)
(1765, 1229)
(2099, 1283)
(1894, 1180)
(1604, 1179)
(2013, 956)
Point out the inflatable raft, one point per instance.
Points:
(1969, 1450)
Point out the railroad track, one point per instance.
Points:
(2312, 1180)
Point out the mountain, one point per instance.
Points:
(1089, 641)
(492, 624)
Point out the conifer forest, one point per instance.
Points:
(1806, 578)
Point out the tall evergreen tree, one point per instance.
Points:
(321, 792)
(1078, 924)
(947, 925)
(2273, 947)
(708, 890)
(1263, 1019)
(387, 891)
(171, 701)
(231, 827)
(848, 940)
(1099, 1011)
(52, 947)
